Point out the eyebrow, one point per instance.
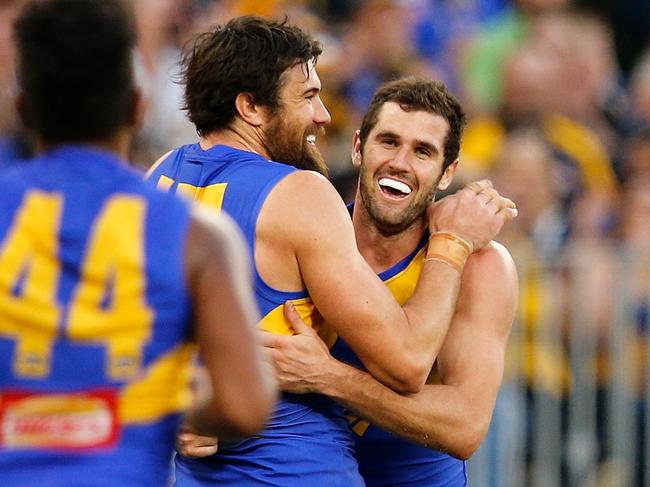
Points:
(418, 142)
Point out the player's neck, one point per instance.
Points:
(382, 250)
(239, 136)
(119, 144)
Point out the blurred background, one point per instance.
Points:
(558, 98)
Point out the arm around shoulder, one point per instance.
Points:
(490, 281)
(396, 344)
(453, 415)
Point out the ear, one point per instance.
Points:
(249, 111)
(448, 175)
(356, 149)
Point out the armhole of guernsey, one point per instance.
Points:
(272, 300)
(261, 287)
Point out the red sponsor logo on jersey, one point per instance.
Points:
(78, 420)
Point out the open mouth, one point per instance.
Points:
(311, 139)
(394, 188)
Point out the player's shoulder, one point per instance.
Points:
(163, 205)
(308, 186)
(156, 165)
(490, 284)
(168, 159)
(307, 197)
(496, 250)
(302, 205)
(493, 259)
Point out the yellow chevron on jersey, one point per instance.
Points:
(210, 195)
(275, 322)
(402, 285)
(164, 388)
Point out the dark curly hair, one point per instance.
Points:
(75, 67)
(248, 54)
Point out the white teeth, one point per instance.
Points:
(396, 185)
(311, 139)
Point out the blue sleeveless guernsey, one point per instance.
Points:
(386, 460)
(94, 323)
(307, 442)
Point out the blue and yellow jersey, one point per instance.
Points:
(94, 323)
(385, 460)
(307, 441)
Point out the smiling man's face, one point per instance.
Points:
(294, 126)
(401, 166)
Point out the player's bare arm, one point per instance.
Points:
(304, 221)
(452, 416)
(225, 321)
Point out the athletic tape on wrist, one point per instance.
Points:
(448, 248)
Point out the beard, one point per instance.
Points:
(287, 143)
(391, 221)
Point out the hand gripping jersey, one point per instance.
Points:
(94, 323)
(307, 442)
(386, 460)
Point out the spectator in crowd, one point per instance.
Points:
(486, 54)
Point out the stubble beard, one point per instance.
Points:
(392, 221)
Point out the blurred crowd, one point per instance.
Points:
(558, 98)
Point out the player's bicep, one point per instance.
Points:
(472, 356)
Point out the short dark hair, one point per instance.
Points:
(75, 67)
(248, 54)
(413, 93)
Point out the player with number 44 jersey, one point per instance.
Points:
(93, 314)
(109, 287)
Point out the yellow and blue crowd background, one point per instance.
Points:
(558, 98)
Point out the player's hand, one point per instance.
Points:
(299, 360)
(476, 213)
(190, 444)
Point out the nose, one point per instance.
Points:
(321, 115)
(400, 159)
